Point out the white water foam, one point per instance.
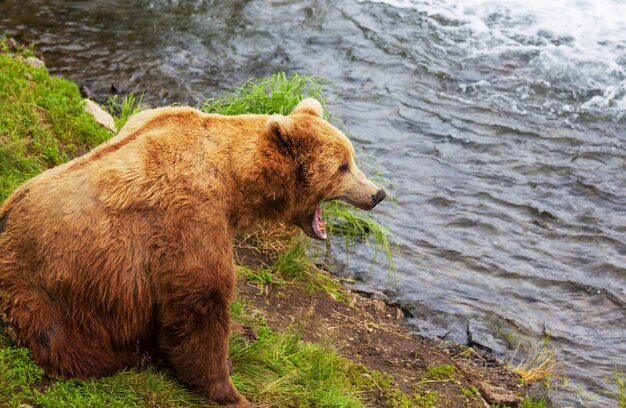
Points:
(576, 44)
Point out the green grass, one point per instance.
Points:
(123, 108)
(132, 388)
(22, 51)
(356, 226)
(42, 121)
(263, 278)
(19, 378)
(280, 368)
(279, 94)
(295, 264)
(17, 374)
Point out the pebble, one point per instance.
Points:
(100, 115)
(35, 62)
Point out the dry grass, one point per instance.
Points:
(269, 240)
(541, 365)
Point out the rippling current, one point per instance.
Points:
(500, 127)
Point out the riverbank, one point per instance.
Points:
(318, 343)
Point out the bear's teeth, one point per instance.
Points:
(318, 224)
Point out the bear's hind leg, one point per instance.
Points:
(62, 349)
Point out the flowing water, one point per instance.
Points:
(500, 126)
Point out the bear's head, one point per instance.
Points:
(322, 166)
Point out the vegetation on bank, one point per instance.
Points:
(42, 121)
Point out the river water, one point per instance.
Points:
(500, 126)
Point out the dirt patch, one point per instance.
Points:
(369, 331)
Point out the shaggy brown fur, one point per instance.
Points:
(131, 244)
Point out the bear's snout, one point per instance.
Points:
(379, 196)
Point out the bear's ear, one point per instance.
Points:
(278, 132)
(309, 106)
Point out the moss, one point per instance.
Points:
(470, 392)
(18, 374)
(427, 399)
(441, 373)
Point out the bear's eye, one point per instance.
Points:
(344, 167)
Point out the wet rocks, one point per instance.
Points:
(479, 335)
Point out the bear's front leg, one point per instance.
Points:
(194, 329)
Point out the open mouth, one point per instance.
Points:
(318, 225)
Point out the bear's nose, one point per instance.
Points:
(379, 196)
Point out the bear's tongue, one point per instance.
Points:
(318, 224)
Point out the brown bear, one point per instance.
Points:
(130, 245)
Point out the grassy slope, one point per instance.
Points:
(42, 122)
